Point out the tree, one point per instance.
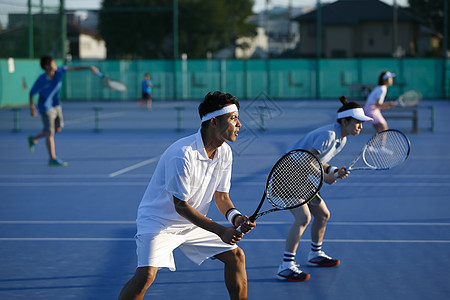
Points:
(144, 29)
(431, 12)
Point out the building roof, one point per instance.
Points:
(353, 12)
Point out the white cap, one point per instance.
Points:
(356, 113)
(388, 75)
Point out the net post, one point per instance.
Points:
(432, 118)
(262, 116)
(97, 118)
(415, 121)
(179, 118)
(16, 127)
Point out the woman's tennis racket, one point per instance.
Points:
(408, 99)
(383, 151)
(294, 180)
(112, 84)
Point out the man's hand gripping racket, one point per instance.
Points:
(294, 180)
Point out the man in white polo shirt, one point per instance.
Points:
(172, 213)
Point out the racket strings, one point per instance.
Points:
(386, 150)
(411, 98)
(118, 86)
(294, 180)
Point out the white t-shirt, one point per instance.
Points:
(379, 92)
(186, 172)
(326, 140)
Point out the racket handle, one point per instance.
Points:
(251, 219)
(100, 74)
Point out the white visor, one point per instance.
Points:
(356, 113)
(388, 75)
(225, 110)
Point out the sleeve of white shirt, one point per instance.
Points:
(177, 173)
(323, 142)
(225, 178)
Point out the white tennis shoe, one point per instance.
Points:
(319, 258)
(291, 272)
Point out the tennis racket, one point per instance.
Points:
(294, 180)
(383, 151)
(408, 99)
(112, 84)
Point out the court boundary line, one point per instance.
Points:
(142, 183)
(65, 239)
(133, 167)
(98, 222)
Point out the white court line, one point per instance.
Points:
(34, 222)
(366, 184)
(242, 241)
(68, 183)
(84, 119)
(138, 165)
(234, 176)
(245, 183)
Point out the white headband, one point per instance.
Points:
(357, 113)
(225, 110)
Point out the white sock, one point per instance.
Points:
(288, 258)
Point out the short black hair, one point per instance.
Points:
(214, 101)
(45, 61)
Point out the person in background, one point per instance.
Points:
(147, 86)
(375, 101)
(48, 86)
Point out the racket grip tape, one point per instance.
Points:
(251, 219)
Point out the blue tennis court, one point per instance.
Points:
(67, 233)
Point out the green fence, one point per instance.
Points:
(192, 79)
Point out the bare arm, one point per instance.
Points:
(224, 203)
(228, 235)
(384, 105)
(33, 110)
(80, 68)
(330, 177)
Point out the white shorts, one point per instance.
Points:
(375, 114)
(156, 250)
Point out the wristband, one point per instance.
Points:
(332, 169)
(231, 214)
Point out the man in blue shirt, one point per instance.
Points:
(147, 86)
(48, 86)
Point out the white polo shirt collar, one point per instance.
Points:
(201, 151)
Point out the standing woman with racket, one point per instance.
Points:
(375, 101)
(325, 143)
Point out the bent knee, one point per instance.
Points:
(235, 256)
(324, 216)
(302, 221)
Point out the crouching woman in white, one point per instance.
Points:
(325, 142)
